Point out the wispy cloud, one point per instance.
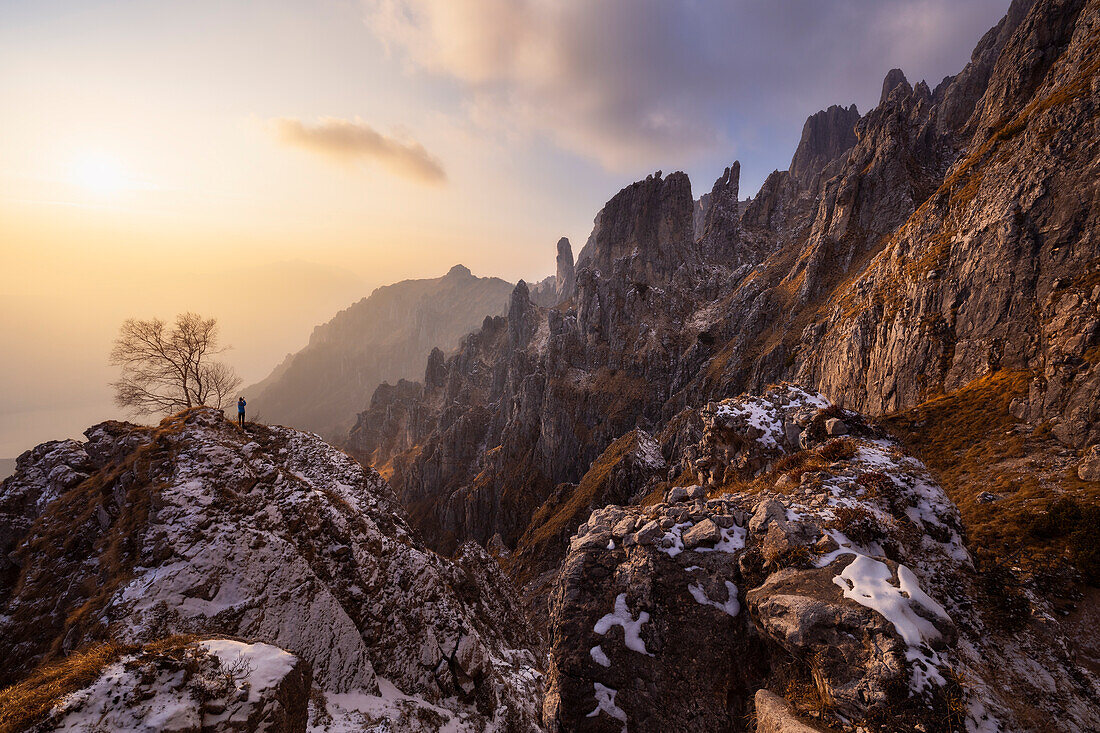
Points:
(632, 82)
(354, 140)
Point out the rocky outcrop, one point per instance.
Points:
(648, 225)
(720, 237)
(1089, 467)
(270, 535)
(384, 337)
(895, 78)
(826, 136)
(566, 280)
(215, 685)
(831, 575)
(41, 475)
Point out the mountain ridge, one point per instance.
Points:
(384, 336)
(955, 237)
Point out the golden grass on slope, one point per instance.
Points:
(561, 513)
(972, 444)
(552, 519)
(24, 704)
(30, 700)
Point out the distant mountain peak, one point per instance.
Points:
(385, 337)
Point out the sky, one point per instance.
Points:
(269, 163)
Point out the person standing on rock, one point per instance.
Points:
(240, 411)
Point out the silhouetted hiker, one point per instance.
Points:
(240, 411)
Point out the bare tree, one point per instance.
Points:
(166, 369)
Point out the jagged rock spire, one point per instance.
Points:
(436, 372)
(565, 281)
(522, 316)
(894, 79)
(648, 223)
(722, 223)
(827, 135)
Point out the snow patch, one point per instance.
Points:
(631, 627)
(675, 539)
(733, 539)
(358, 710)
(730, 607)
(605, 703)
(266, 664)
(979, 720)
(867, 582)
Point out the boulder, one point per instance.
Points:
(1089, 467)
(704, 532)
(768, 511)
(212, 686)
(776, 715)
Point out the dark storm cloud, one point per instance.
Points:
(346, 141)
(627, 81)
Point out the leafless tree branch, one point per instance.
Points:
(168, 369)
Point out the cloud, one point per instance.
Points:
(352, 141)
(624, 82)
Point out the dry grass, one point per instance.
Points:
(559, 516)
(553, 519)
(972, 444)
(838, 449)
(30, 700)
(24, 704)
(857, 524)
(808, 696)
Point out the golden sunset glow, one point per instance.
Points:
(101, 174)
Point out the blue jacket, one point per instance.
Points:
(240, 406)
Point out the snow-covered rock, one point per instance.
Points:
(212, 686)
(269, 535)
(839, 571)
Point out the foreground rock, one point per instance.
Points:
(826, 571)
(269, 535)
(213, 686)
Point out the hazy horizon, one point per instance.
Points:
(271, 165)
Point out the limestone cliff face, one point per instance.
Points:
(952, 233)
(997, 266)
(826, 136)
(529, 401)
(649, 224)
